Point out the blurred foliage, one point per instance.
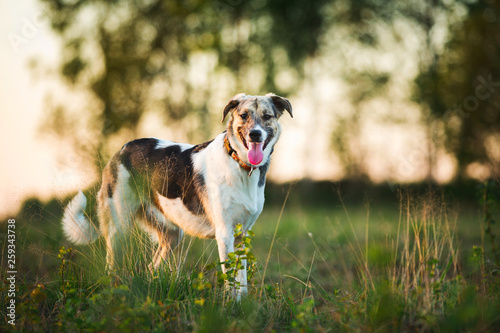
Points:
(178, 57)
(457, 81)
(134, 53)
(461, 85)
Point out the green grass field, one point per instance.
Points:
(416, 262)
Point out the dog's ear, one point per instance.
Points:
(233, 102)
(281, 103)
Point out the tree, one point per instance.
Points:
(137, 55)
(458, 83)
(465, 88)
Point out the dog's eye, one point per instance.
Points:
(266, 117)
(244, 116)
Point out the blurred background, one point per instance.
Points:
(384, 92)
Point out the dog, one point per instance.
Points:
(170, 188)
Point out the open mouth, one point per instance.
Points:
(255, 150)
(246, 144)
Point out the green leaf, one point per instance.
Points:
(104, 280)
(210, 266)
(121, 290)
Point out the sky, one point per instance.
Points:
(28, 164)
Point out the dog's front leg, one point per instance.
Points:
(225, 243)
(242, 278)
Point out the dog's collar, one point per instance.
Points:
(235, 157)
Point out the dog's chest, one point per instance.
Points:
(240, 200)
(247, 201)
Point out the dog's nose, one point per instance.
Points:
(255, 135)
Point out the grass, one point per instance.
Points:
(416, 264)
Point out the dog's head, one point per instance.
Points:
(254, 129)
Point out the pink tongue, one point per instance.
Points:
(255, 154)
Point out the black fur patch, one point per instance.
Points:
(263, 171)
(201, 146)
(110, 189)
(168, 171)
(275, 110)
(270, 133)
(110, 176)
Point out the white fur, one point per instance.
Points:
(123, 204)
(192, 224)
(167, 143)
(76, 225)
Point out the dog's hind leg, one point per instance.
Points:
(167, 242)
(167, 234)
(107, 228)
(117, 206)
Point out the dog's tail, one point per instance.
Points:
(76, 225)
